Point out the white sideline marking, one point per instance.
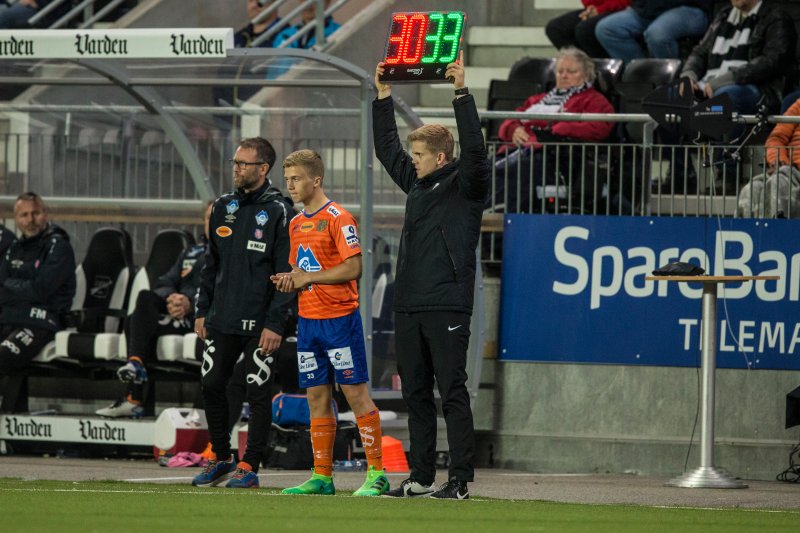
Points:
(184, 478)
(526, 474)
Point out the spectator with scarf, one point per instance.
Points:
(573, 93)
(745, 53)
(660, 23)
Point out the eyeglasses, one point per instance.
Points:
(244, 164)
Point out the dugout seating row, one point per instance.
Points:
(94, 345)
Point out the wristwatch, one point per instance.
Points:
(462, 91)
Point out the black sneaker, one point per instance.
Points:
(410, 489)
(453, 489)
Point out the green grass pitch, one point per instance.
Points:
(117, 507)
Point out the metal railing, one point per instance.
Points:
(85, 7)
(317, 25)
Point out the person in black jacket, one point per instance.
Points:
(7, 238)
(660, 23)
(37, 284)
(750, 68)
(167, 309)
(435, 278)
(240, 311)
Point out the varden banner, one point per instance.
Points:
(115, 43)
(574, 290)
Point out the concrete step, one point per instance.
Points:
(502, 46)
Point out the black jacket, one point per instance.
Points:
(7, 238)
(184, 276)
(771, 57)
(37, 280)
(436, 262)
(249, 242)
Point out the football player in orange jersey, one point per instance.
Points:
(325, 255)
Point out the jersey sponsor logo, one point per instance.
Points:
(40, 314)
(257, 246)
(262, 218)
(305, 227)
(322, 225)
(13, 348)
(306, 362)
(333, 211)
(224, 231)
(350, 235)
(306, 260)
(341, 358)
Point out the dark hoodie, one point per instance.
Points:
(249, 242)
(37, 280)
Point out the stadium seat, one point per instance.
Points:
(167, 246)
(103, 280)
(609, 72)
(507, 95)
(639, 79)
(540, 70)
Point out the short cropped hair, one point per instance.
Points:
(436, 137)
(264, 149)
(309, 160)
(30, 196)
(586, 63)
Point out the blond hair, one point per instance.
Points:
(309, 160)
(436, 137)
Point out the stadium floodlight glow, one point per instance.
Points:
(421, 44)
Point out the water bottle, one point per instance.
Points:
(351, 465)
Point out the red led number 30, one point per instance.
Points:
(424, 38)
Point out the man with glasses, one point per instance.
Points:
(238, 310)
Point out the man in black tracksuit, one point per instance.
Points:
(435, 278)
(37, 284)
(238, 309)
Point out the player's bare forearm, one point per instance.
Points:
(346, 271)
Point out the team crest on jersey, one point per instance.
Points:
(305, 227)
(350, 235)
(261, 218)
(224, 231)
(333, 211)
(258, 234)
(187, 266)
(232, 207)
(322, 225)
(306, 260)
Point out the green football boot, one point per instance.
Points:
(375, 485)
(318, 484)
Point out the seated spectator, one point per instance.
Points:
(16, 14)
(244, 38)
(573, 93)
(661, 23)
(776, 193)
(576, 28)
(744, 54)
(309, 39)
(37, 284)
(167, 309)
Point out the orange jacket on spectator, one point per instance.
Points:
(588, 101)
(783, 137)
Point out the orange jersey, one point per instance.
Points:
(320, 241)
